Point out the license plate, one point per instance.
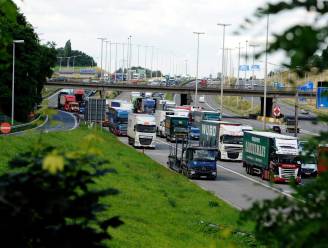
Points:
(203, 176)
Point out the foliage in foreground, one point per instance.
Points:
(301, 221)
(48, 199)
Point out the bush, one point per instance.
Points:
(48, 199)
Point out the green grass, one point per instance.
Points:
(238, 105)
(160, 208)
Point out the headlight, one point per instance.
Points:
(192, 172)
(213, 173)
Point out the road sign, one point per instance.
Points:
(255, 68)
(322, 97)
(244, 68)
(276, 111)
(5, 127)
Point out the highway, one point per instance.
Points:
(232, 185)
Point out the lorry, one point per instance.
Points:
(68, 103)
(141, 130)
(160, 116)
(272, 156)
(171, 123)
(227, 137)
(118, 121)
(290, 126)
(322, 158)
(191, 161)
(144, 105)
(201, 115)
(79, 95)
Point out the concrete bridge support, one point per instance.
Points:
(184, 99)
(269, 104)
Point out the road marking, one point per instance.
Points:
(24, 131)
(256, 181)
(75, 120)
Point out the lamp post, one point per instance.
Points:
(13, 82)
(253, 74)
(224, 25)
(265, 73)
(74, 61)
(197, 61)
(102, 39)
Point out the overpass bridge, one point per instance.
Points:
(213, 89)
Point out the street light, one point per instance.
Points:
(196, 92)
(224, 25)
(253, 74)
(102, 39)
(265, 73)
(13, 82)
(74, 61)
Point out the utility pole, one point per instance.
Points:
(224, 25)
(253, 73)
(265, 73)
(197, 61)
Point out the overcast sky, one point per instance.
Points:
(167, 25)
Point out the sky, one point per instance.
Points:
(163, 29)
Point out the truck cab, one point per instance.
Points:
(171, 123)
(118, 121)
(200, 162)
(141, 130)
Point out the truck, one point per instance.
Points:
(79, 95)
(192, 161)
(290, 126)
(160, 116)
(68, 103)
(273, 156)
(171, 123)
(141, 130)
(201, 115)
(118, 121)
(60, 94)
(322, 158)
(144, 105)
(227, 137)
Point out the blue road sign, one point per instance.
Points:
(308, 86)
(255, 67)
(322, 97)
(244, 68)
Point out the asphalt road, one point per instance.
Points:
(232, 185)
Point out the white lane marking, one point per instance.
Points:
(75, 120)
(246, 177)
(256, 181)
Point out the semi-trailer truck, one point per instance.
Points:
(201, 115)
(141, 130)
(68, 103)
(171, 123)
(272, 156)
(160, 116)
(226, 136)
(118, 121)
(144, 105)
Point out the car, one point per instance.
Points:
(201, 99)
(276, 129)
(304, 112)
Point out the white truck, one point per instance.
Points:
(141, 130)
(160, 116)
(226, 136)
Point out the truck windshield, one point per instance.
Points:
(204, 155)
(212, 116)
(179, 123)
(288, 159)
(146, 128)
(123, 127)
(229, 139)
(122, 120)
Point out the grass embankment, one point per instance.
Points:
(238, 105)
(160, 208)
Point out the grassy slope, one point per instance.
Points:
(159, 207)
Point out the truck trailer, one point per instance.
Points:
(118, 121)
(141, 130)
(160, 116)
(272, 156)
(226, 136)
(201, 115)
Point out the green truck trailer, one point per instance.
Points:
(172, 122)
(272, 156)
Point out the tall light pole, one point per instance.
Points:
(110, 58)
(265, 73)
(253, 74)
(74, 61)
(246, 60)
(106, 55)
(151, 62)
(224, 25)
(197, 61)
(186, 65)
(102, 39)
(13, 82)
(146, 61)
(238, 65)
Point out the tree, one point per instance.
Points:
(33, 63)
(301, 221)
(49, 198)
(68, 49)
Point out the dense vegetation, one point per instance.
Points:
(33, 62)
(67, 56)
(301, 221)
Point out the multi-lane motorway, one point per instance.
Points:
(232, 184)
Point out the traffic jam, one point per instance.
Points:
(199, 139)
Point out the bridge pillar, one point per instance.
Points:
(269, 104)
(185, 99)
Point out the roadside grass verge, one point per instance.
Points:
(160, 208)
(238, 105)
